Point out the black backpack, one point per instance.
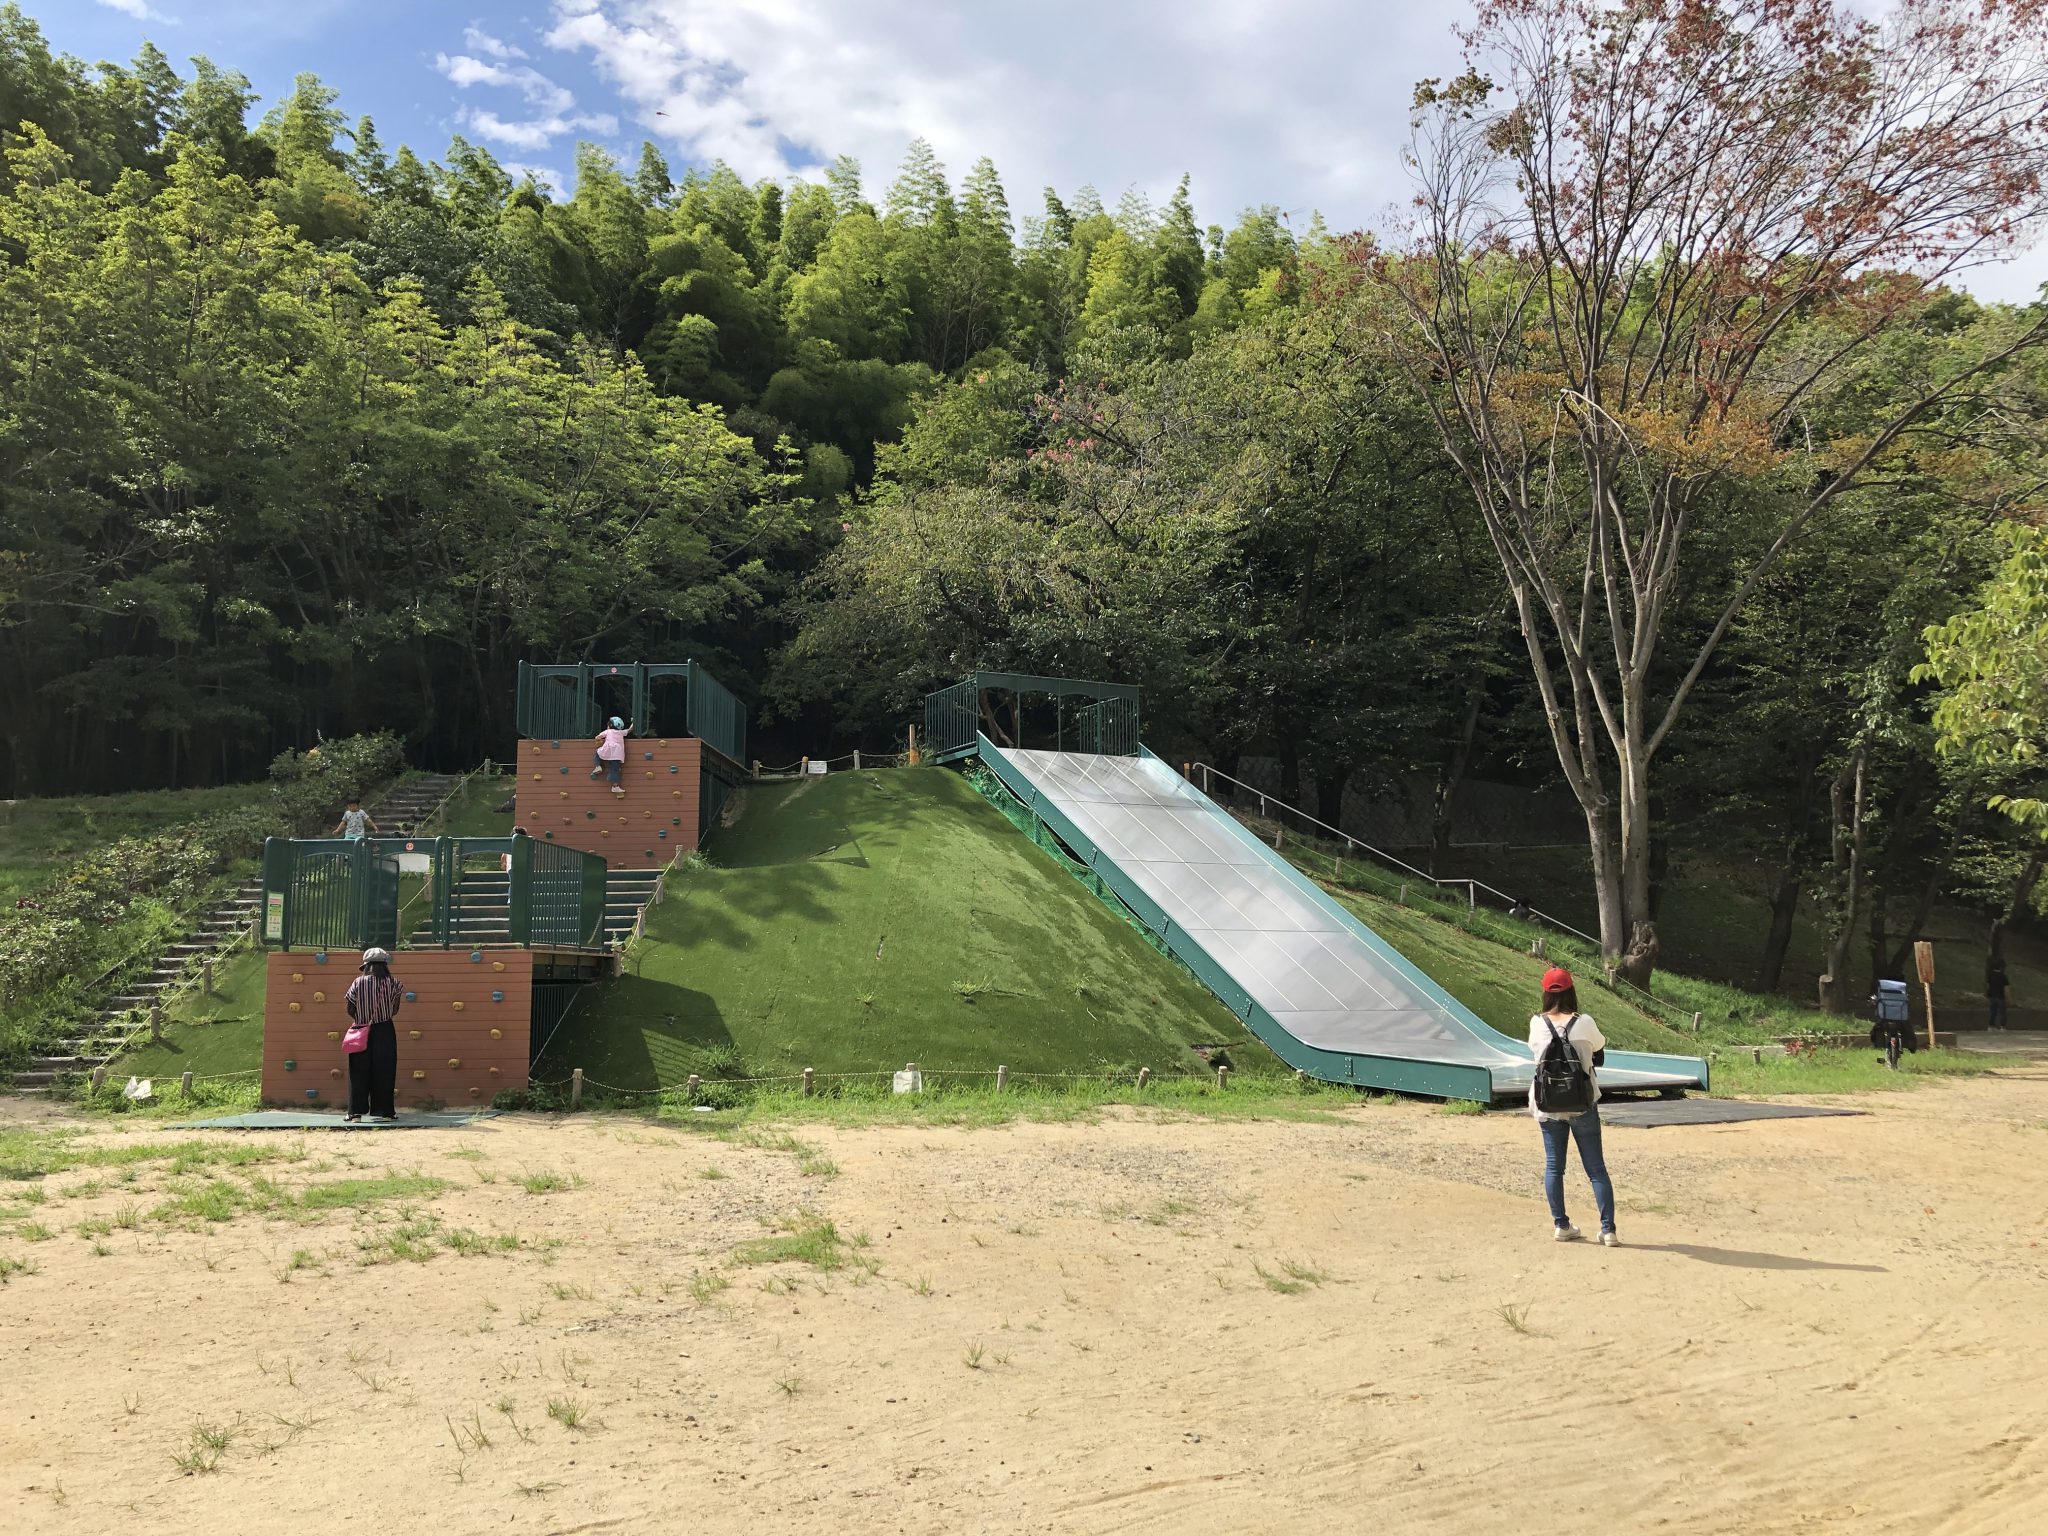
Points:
(1563, 1085)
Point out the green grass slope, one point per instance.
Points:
(855, 922)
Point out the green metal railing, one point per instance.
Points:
(329, 893)
(472, 891)
(1108, 725)
(558, 701)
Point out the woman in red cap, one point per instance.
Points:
(1569, 1107)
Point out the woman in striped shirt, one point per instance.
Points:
(373, 999)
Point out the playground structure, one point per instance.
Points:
(491, 936)
(494, 937)
(686, 753)
(1321, 989)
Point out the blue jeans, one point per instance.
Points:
(1585, 1130)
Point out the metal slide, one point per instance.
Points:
(1324, 991)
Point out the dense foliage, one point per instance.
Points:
(300, 433)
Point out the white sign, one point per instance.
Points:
(273, 916)
(815, 765)
(910, 1082)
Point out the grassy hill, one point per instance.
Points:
(853, 922)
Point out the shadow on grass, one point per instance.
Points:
(1737, 1258)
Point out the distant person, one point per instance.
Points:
(516, 832)
(372, 1000)
(1564, 1096)
(1995, 986)
(1892, 1028)
(611, 753)
(1521, 911)
(355, 823)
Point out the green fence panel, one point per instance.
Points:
(1108, 723)
(554, 702)
(329, 893)
(1109, 727)
(951, 724)
(558, 702)
(478, 891)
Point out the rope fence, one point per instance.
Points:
(809, 765)
(1000, 1077)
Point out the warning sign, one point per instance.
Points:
(273, 915)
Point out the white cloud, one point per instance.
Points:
(478, 40)
(139, 9)
(1297, 102)
(539, 132)
(540, 92)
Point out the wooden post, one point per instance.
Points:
(1756, 1055)
(1002, 1078)
(156, 1022)
(1278, 834)
(691, 1085)
(856, 759)
(185, 1085)
(640, 923)
(810, 1087)
(1223, 1077)
(1695, 1023)
(1339, 875)
(1402, 899)
(1144, 1076)
(99, 1077)
(576, 1089)
(1472, 895)
(912, 755)
(1923, 956)
(206, 975)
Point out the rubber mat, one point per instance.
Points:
(301, 1120)
(1649, 1113)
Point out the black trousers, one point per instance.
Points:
(373, 1073)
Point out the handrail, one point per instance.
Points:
(1472, 887)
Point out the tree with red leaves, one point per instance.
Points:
(1652, 238)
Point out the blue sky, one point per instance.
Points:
(1300, 103)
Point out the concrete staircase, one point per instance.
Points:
(626, 892)
(126, 1017)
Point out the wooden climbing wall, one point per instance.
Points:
(558, 801)
(464, 1030)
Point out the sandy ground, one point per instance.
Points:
(1817, 1324)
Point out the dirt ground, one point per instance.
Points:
(1133, 1324)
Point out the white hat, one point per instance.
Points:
(373, 956)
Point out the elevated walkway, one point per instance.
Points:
(1326, 993)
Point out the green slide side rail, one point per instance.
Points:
(1398, 1074)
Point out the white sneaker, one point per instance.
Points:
(1609, 1240)
(1567, 1234)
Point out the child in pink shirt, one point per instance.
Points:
(611, 753)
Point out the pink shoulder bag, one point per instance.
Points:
(356, 1039)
